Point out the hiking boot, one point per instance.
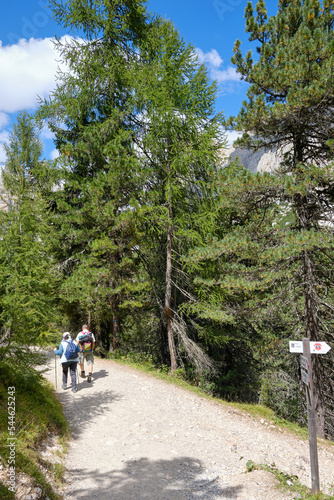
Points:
(82, 374)
(74, 389)
(89, 377)
(64, 386)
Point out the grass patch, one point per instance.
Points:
(163, 373)
(263, 412)
(37, 415)
(5, 494)
(59, 471)
(289, 483)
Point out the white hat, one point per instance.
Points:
(66, 335)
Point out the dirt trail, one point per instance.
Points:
(135, 437)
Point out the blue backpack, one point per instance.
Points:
(71, 351)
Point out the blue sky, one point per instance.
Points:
(28, 64)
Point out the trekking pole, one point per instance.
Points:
(56, 369)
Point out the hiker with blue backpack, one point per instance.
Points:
(69, 358)
(86, 343)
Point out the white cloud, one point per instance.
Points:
(54, 154)
(28, 70)
(231, 136)
(2, 155)
(4, 120)
(212, 57)
(214, 62)
(46, 133)
(225, 75)
(4, 138)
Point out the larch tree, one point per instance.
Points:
(178, 145)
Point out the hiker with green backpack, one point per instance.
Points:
(69, 357)
(86, 342)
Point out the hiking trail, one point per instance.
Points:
(136, 437)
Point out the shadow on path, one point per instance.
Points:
(81, 408)
(80, 411)
(100, 374)
(175, 479)
(182, 478)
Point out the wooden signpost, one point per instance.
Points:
(307, 348)
(311, 417)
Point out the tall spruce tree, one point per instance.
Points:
(289, 108)
(91, 113)
(27, 278)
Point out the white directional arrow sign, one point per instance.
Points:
(319, 347)
(315, 347)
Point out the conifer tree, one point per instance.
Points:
(91, 113)
(289, 108)
(179, 143)
(123, 102)
(290, 98)
(27, 278)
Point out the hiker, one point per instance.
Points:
(69, 357)
(86, 342)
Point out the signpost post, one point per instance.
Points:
(306, 348)
(312, 425)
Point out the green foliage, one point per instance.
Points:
(59, 471)
(178, 150)
(5, 493)
(273, 262)
(93, 115)
(290, 107)
(281, 386)
(138, 141)
(280, 392)
(290, 82)
(259, 269)
(167, 255)
(27, 278)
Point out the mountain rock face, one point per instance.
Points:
(264, 160)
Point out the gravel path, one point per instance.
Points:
(135, 437)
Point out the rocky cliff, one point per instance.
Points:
(264, 160)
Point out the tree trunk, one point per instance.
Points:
(311, 306)
(90, 320)
(168, 293)
(4, 343)
(114, 328)
(163, 341)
